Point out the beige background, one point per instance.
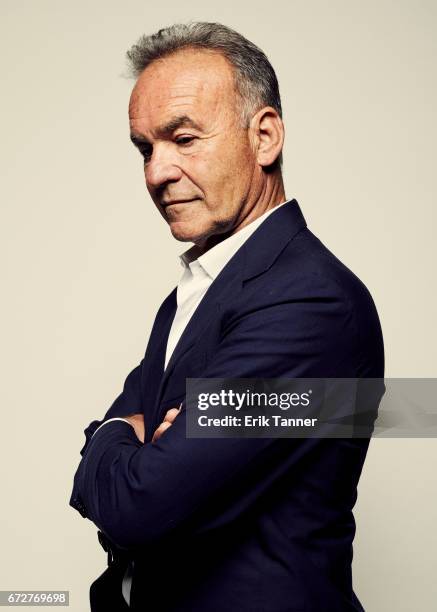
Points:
(88, 259)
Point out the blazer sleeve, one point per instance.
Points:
(130, 399)
(139, 493)
(127, 402)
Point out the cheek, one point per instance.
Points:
(218, 169)
(221, 171)
(209, 172)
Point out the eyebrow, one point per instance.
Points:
(168, 128)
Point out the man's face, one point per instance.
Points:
(199, 164)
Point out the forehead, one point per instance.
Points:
(199, 81)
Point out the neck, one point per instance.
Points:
(271, 195)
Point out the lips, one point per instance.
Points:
(170, 202)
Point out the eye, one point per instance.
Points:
(146, 152)
(184, 140)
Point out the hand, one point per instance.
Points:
(170, 416)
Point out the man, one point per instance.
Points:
(196, 525)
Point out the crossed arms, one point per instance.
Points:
(138, 493)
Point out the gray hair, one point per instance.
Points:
(254, 78)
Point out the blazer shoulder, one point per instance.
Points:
(306, 257)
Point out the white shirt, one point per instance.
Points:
(200, 271)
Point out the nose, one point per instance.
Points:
(161, 167)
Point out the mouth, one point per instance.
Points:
(173, 202)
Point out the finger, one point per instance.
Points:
(171, 414)
(160, 430)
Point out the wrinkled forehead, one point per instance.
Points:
(190, 78)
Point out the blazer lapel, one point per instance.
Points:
(155, 356)
(225, 287)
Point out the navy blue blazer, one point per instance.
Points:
(239, 524)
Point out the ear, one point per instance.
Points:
(269, 133)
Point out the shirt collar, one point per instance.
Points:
(214, 260)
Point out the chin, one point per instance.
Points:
(186, 232)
